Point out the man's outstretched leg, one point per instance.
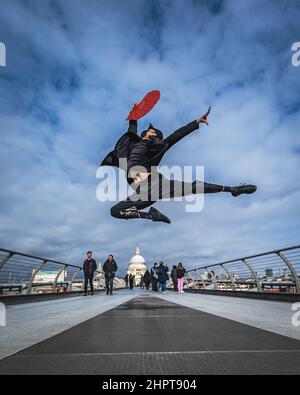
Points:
(128, 209)
(175, 188)
(214, 188)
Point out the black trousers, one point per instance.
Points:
(175, 284)
(88, 278)
(154, 284)
(157, 187)
(109, 283)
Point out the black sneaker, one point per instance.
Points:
(243, 189)
(84, 294)
(157, 216)
(107, 292)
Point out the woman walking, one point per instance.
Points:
(180, 277)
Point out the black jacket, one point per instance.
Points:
(125, 143)
(162, 273)
(110, 268)
(147, 277)
(93, 267)
(180, 273)
(174, 274)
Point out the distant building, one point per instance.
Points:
(269, 272)
(137, 266)
(49, 276)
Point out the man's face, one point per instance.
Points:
(89, 255)
(110, 258)
(150, 133)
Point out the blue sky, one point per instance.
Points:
(74, 68)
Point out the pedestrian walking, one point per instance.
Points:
(154, 277)
(89, 268)
(163, 276)
(110, 267)
(174, 278)
(180, 277)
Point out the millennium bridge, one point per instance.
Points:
(241, 316)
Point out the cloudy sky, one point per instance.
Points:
(75, 67)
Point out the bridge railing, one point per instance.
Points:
(273, 271)
(22, 273)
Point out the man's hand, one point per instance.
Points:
(139, 177)
(203, 119)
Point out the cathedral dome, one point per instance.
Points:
(137, 265)
(137, 259)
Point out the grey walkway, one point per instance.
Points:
(151, 335)
(264, 314)
(28, 324)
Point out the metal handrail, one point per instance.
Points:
(37, 263)
(245, 257)
(36, 257)
(290, 264)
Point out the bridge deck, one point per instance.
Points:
(153, 335)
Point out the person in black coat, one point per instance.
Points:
(89, 268)
(140, 156)
(110, 267)
(154, 277)
(174, 277)
(126, 279)
(147, 279)
(131, 281)
(163, 276)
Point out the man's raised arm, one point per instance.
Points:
(187, 129)
(133, 124)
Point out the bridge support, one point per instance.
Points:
(101, 281)
(57, 277)
(292, 270)
(201, 278)
(192, 278)
(35, 272)
(214, 280)
(5, 259)
(254, 274)
(230, 276)
(73, 279)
